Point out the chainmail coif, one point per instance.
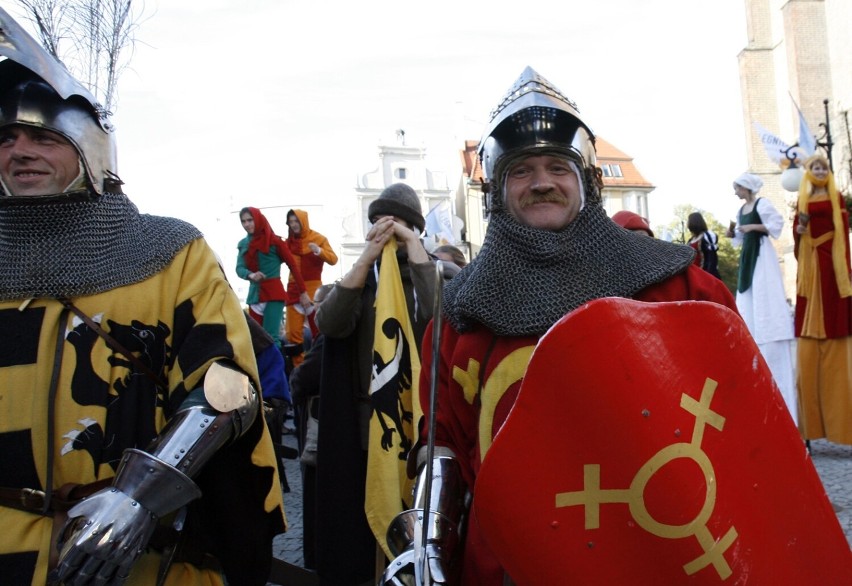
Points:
(73, 248)
(525, 279)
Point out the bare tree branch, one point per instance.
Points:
(49, 17)
(102, 34)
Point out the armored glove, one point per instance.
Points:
(108, 531)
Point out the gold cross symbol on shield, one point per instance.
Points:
(592, 495)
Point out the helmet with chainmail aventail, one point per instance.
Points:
(536, 118)
(558, 269)
(90, 237)
(36, 90)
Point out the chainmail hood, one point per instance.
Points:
(554, 272)
(70, 247)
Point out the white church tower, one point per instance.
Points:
(398, 163)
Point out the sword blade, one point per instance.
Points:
(421, 555)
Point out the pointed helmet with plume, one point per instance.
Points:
(535, 117)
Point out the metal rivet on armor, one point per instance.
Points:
(646, 413)
(677, 433)
(590, 544)
(554, 524)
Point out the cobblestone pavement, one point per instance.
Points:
(832, 461)
(288, 547)
(834, 465)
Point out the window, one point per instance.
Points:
(400, 173)
(611, 170)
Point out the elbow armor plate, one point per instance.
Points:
(200, 428)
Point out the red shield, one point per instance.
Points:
(649, 445)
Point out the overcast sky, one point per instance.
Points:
(280, 102)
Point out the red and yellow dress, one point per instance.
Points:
(823, 322)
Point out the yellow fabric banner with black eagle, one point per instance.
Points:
(394, 398)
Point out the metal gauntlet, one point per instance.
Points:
(107, 532)
(404, 537)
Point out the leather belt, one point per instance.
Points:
(164, 538)
(31, 500)
(24, 499)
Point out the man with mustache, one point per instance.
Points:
(549, 249)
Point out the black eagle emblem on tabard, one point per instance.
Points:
(388, 383)
(131, 400)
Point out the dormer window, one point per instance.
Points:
(612, 170)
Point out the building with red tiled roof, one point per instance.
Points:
(470, 199)
(624, 188)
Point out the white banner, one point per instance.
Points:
(439, 223)
(776, 149)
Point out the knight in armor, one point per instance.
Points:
(132, 447)
(549, 249)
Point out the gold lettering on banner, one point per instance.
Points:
(592, 495)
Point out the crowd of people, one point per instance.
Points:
(135, 381)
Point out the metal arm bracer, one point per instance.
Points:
(448, 506)
(198, 430)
